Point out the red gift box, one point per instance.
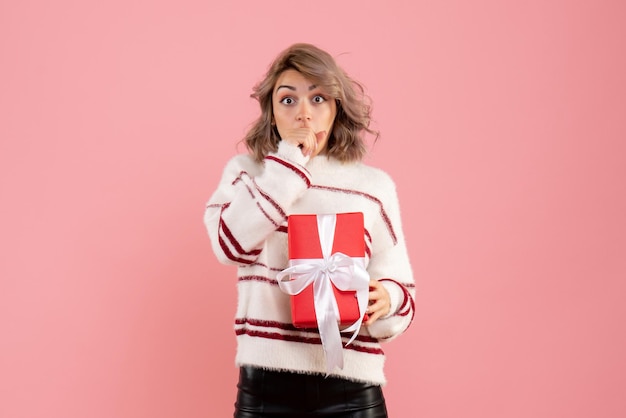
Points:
(304, 243)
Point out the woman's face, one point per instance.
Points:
(299, 103)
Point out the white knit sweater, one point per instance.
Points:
(247, 222)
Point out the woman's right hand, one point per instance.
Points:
(304, 138)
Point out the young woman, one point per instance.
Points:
(305, 158)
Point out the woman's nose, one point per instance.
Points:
(304, 112)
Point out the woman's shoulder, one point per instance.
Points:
(362, 179)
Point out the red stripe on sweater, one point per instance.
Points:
(230, 255)
(266, 324)
(239, 178)
(235, 243)
(383, 212)
(289, 327)
(264, 195)
(298, 171)
(304, 340)
(267, 216)
(270, 200)
(224, 246)
(257, 279)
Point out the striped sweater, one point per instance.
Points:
(246, 219)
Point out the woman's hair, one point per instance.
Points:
(353, 110)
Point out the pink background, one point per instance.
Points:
(503, 124)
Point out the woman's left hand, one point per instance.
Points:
(379, 301)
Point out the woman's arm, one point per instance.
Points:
(252, 201)
(390, 266)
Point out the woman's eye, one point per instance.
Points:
(287, 100)
(319, 99)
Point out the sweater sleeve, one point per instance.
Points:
(252, 201)
(391, 266)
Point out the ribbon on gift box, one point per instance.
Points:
(338, 269)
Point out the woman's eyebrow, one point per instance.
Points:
(311, 87)
(285, 86)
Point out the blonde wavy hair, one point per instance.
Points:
(345, 142)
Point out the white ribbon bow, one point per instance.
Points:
(346, 273)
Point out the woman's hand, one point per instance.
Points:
(379, 301)
(304, 138)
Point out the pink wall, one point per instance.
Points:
(503, 125)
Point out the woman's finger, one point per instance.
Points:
(379, 301)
